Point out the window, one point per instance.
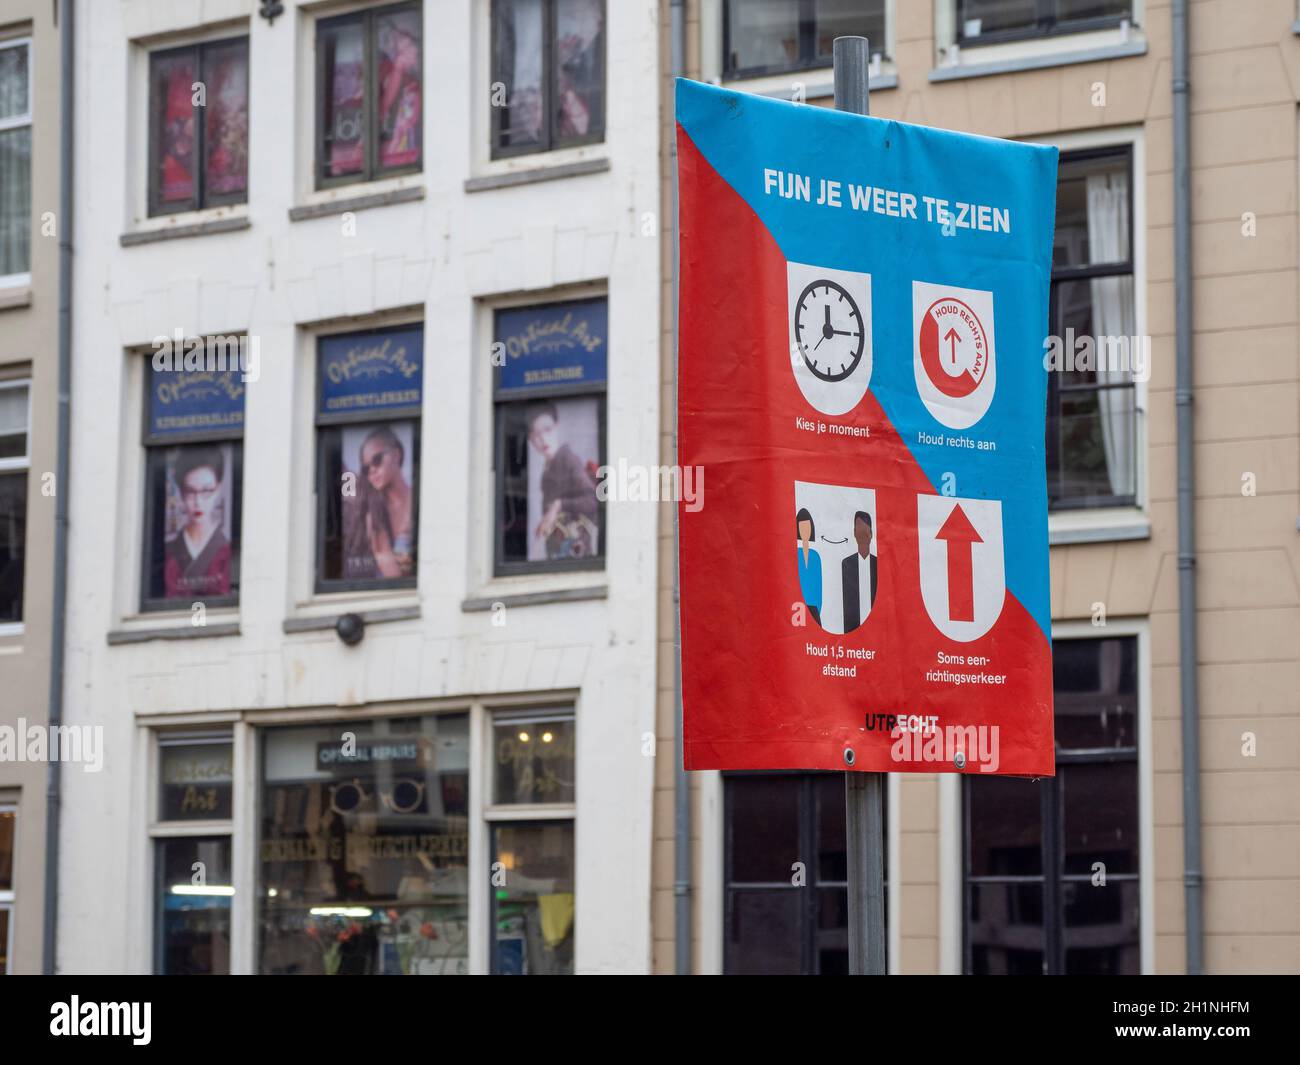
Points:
(1092, 412)
(369, 95)
(198, 126)
(15, 158)
(15, 458)
(364, 856)
(8, 846)
(194, 427)
(548, 75)
(531, 823)
(1035, 849)
(773, 925)
(191, 829)
(368, 458)
(995, 21)
(775, 36)
(550, 435)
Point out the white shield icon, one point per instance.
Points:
(963, 575)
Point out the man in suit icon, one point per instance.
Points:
(857, 570)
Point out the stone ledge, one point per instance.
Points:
(541, 173)
(171, 632)
(355, 203)
(559, 595)
(197, 229)
(370, 617)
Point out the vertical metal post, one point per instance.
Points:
(863, 792)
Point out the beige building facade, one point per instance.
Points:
(1085, 872)
(29, 300)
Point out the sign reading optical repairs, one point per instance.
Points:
(371, 373)
(863, 307)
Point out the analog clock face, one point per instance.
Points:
(828, 326)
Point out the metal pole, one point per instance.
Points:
(863, 792)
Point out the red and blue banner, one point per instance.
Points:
(863, 308)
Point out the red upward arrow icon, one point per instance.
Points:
(960, 534)
(952, 336)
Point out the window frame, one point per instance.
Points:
(149, 443)
(321, 427)
(1053, 877)
(1055, 390)
(1047, 23)
(24, 121)
(21, 466)
(808, 58)
(549, 142)
(371, 171)
(8, 896)
(200, 199)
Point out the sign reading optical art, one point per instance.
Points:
(863, 306)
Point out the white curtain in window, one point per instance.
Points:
(1112, 316)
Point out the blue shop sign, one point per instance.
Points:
(192, 402)
(556, 345)
(372, 373)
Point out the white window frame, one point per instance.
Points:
(24, 277)
(18, 464)
(7, 901)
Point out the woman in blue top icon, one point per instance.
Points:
(810, 564)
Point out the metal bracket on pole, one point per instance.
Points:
(863, 792)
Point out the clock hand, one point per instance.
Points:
(828, 316)
(818, 344)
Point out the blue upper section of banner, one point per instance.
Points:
(983, 219)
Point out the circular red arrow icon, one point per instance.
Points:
(954, 351)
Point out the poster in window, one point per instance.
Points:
(174, 77)
(563, 457)
(398, 35)
(343, 49)
(580, 67)
(194, 519)
(380, 517)
(226, 68)
(519, 66)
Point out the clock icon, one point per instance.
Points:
(828, 329)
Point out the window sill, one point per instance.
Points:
(554, 172)
(357, 202)
(554, 595)
(1038, 60)
(11, 637)
(117, 637)
(325, 622)
(179, 232)
(1109, 525)
(14, 296)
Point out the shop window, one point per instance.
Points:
(548, 75)
(781, 827)
(370, 95)
(1052, 865)
(549, 393)
(193, 437)
(996, 21)
(1092, 411)
(368, 458)
(194, 886)
(198, 126)
(777, 36)
(531, 821)
(15, 459)
(15, 158)
(363, 861)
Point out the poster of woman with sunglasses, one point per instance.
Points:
(379, 520)
(198, 523)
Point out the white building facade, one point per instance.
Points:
(373, 663)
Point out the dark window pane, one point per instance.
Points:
(5, 914)
(1092, 211)
(8, 830)
(1096, 693)
(765, 932)
(763, 34)
(15, 76)
(225, 70)
(15, 200)
(364, 848)
(579, 69)
(833, 931)
(1004, 928)
(369, 502)
(342, 48)
(832, 853)
(173, 78)
(1101, 928)
(194, 897)
(532, 928)
(1093, 440)
(397, 38)
(1101, 817)
(533, 759)
(517, 64)
(1067, 10)
(848, 18)
(195, 781)
(981, 17)
(13, 539)
(193, 539)
(1005, 827)
(763, 828)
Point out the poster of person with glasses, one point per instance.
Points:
(198, 518)
(380, 514)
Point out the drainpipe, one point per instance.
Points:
(65, 13)
(681, 787)
(1187, 658)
